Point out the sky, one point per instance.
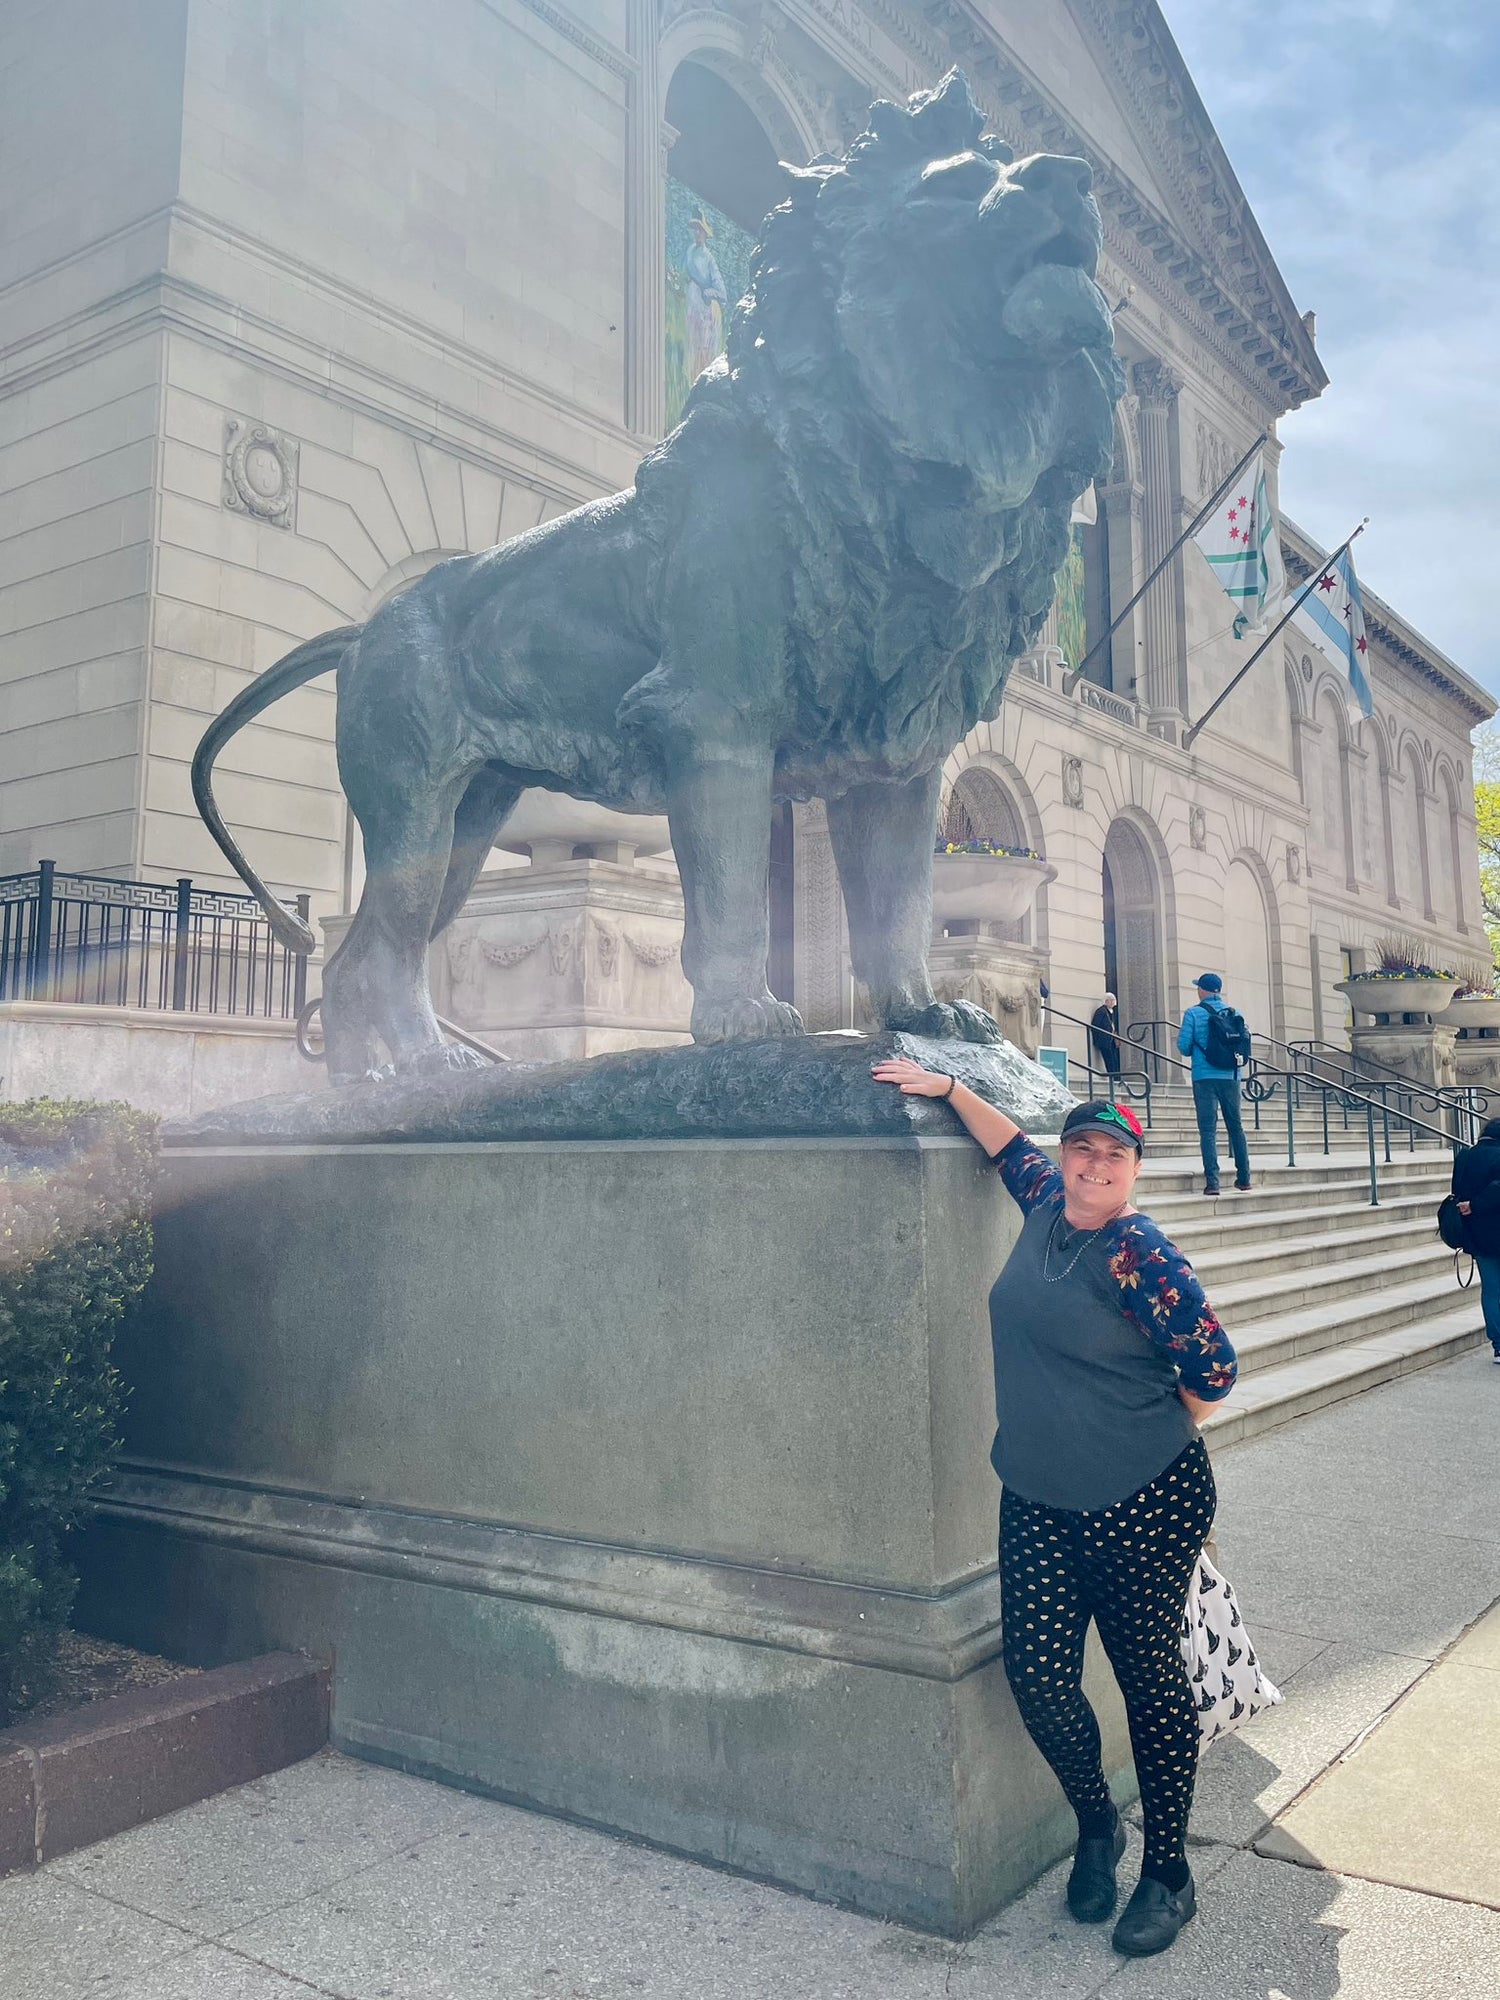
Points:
(1366, 134)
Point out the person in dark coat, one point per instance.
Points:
(1476, 1188)
(1104, 1029)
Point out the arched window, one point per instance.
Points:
(980, 807)
(1411, 841)
(1331, 819)
(1447, 859)
(722, 183)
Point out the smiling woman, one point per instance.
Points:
(1105, 1350)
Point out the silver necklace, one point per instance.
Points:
(1056, 1278)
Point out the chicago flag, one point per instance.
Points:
(1241, 546)
(1332, 615)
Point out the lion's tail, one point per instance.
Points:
(305, 664)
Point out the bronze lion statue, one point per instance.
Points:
(815, 588)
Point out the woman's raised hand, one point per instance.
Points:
(910, 1078)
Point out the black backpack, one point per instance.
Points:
(1450, 1224)
(1227, 1042)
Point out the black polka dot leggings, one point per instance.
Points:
(1128, 1568)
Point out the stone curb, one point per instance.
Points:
(116, 1764)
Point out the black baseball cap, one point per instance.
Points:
(1099, 1115)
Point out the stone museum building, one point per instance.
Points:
(298, 297)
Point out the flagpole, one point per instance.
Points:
(1306, 591)
(1071, 680)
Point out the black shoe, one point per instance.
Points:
(1242, 1187)
(1153, 1917)
(1091, 1886)
(1210, 1187)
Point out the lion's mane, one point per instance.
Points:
(918, 570)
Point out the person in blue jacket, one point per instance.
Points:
(1216, 1090)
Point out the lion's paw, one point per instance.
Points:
(951, 1020)
(439, 1061)
(744, 1020)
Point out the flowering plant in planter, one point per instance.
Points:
(1401, 957)
(1477, 981)
(987, 847)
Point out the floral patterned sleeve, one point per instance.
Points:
(1163, 1296)
(1029, 1176)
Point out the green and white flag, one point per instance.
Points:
(1241, 546)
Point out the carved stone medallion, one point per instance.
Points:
(260, 472)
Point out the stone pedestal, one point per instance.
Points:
(567, 958)
(1476, 1061)
(1425, 1054)
(563, 958)
(1003, 978)
(641, 1481)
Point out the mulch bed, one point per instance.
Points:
(82, 1670)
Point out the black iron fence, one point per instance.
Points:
(93, 941)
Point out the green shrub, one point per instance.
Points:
(75, 1250)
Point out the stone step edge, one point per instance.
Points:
(1236, 1234)
(1276, 1206)
(1266, 1344)
(104, 1768)
(1282, 1255)
(1307, 1385)
(1255, 1299)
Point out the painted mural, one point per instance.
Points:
(708, 269)
(1071, 604)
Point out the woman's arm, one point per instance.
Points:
(1160, 1291)
(1030, 1177)
(983, 1121)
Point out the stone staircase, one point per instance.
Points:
(1323, 1295)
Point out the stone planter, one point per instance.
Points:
(1004, 979)
(1472, 1014)
(986, 888)
(549, 825)
(1393, 999)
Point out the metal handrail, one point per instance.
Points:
(1262, 1079)
(1122, 1079)
(451, 1029)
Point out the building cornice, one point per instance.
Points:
(563, 21)
(1225, 288)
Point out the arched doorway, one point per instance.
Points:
(1133, 928)
(1249, 980)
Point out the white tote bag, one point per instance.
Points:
(1227, 1682)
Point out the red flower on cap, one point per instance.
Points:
(1123, 1116)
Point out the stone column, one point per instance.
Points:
(645, 227)
(1160, 688)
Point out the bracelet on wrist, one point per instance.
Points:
(952, 1086)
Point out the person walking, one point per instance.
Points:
(1476, 1189)
(1104, 1033)
(1105, 1353)
(1216, 1038)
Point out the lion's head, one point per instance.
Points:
(947, 291)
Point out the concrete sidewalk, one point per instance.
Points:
(1345, 1844)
